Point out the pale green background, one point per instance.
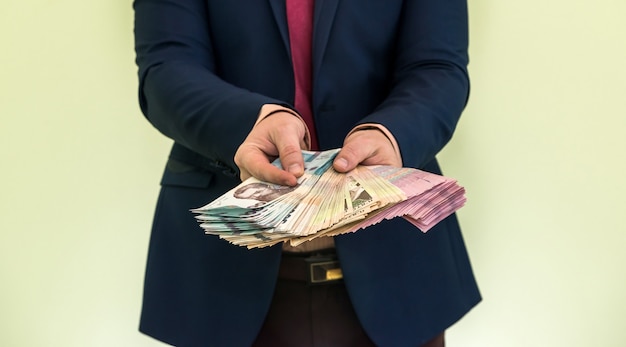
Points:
(540, 150)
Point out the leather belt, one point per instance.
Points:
(317, 268)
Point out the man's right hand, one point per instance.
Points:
(281, 135)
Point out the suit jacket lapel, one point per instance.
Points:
(322, 22)
(280, 16)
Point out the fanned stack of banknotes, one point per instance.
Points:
(328, 203)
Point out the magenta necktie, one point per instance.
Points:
(300, 22)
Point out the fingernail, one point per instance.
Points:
(295, 168)
(341, 163)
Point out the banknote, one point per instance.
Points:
(328, 203)
(259, 205)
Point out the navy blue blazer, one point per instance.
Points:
(206, 68)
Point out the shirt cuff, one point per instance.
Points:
(385, 131)
(270, 109)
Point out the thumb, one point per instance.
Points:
(347, 159)
(291, 159)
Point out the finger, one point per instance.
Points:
(255, 163)
(281, 135)
(244, 175)
(367, 147)
(357, 148)
(291, 159)
(349, 157)
(289, 140)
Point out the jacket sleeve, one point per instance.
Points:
(179, 90)
(430, 86)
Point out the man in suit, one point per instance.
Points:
(238, 83)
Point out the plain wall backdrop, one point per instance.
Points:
(540, 150)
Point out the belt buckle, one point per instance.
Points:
(323, 270)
